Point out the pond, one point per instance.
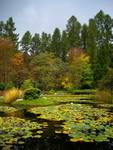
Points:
(67, 125)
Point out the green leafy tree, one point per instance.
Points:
(45, 70)
(80, 74)
(87, 76)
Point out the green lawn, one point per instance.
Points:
(46, 100)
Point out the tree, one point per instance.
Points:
(45, 70)
(64, 49)
(92, 49)
(100, 43)
(7, 30)
(73, 31)
(80, 74)
(45, 42)
(7, 51)
(2, 29)
(35, 44)
(26, 42)
(87, 81)
(92, 37)
(20, 72)
(56, 43)
(84, 36)
(10, 31)
(104, 25)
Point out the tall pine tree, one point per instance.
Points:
(45, 42)
(84, 36)
(73, 31)
(35, 44)
(26, 42)
(10, 31)
(56, 43)
(64, 45)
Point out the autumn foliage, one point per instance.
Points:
(19, 68)
(7, 51)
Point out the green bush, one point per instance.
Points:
(9, 85)
(2, 86)
(27, 84)
(32, 93)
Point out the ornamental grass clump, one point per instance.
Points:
(12, 95)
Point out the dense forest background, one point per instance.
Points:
(79, 57)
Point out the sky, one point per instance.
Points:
(39, 16)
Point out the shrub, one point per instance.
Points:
(2, 86)
(12, 95)
(103, 96)
(51, 91)
(27, 84)
(9, 85)
(32, 93)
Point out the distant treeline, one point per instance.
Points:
(47, 60)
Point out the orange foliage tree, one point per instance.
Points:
(7, 51)
(20, 70)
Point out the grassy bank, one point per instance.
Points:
(46, 100)
(54, 98)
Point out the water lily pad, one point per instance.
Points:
(82, 122)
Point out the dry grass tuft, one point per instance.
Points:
(12, 95)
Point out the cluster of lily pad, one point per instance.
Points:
(12, 129)
(81, 122)
(7, 109)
